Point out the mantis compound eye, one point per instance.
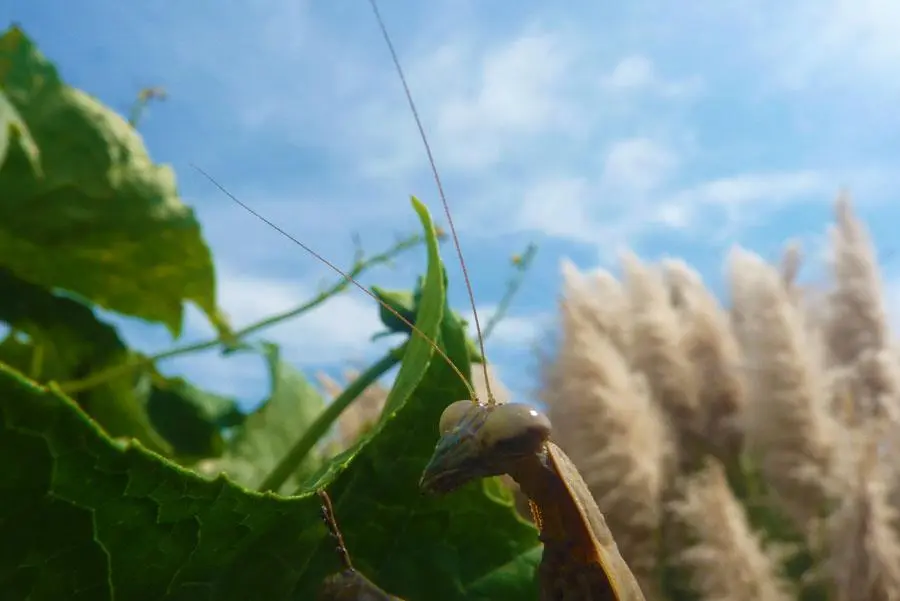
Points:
(455, 413)
(517, 428)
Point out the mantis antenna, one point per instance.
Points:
(341, 272)
(437, 180)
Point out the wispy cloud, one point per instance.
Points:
(638, 74)
(844, 43)
(638, 165)
(337, 330)
(514, 329)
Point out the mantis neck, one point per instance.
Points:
(555, 511)
(581, 559)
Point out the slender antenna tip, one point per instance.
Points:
(437, 179)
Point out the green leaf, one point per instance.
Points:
(191, 419)
(316, 432)
(268, 433)
(67, 341)
(103, 221)
(401, 301)
(120, 407)
(69, 331)
(83, 517)
(456, 343)
(17, 351)
(428, 319)
(407, 305)
(14, 132)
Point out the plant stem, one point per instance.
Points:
(290, 462)
(37, 361)
(144, 98)
(358, 268)
(512, 287)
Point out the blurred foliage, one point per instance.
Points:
(138, 485)
(102, 221)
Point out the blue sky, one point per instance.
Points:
(584, 127)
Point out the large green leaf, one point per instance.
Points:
(67, 341)
(103, 221)
(268, 433)
(83, 517)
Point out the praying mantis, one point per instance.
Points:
(478, 439)
(483, 438)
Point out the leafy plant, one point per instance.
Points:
(122, 238)
(122, 482)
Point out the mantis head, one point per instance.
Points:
(479, 440)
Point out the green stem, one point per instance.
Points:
(359, 267)
(512, 287)
(37, 361)
(144, 98)
(290, 462)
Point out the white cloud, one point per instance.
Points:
(632, 72)
(512, 332)
(515, 90)
(637, 164)
(816, 43)
(479, 103)
(506, 111)
(757, 188)
(504, 101)
(606, 213)
(673, 215)
(517, 331)
(555, 206)
(727, 204)
(598, 209)
(336, 331)
(576, 206)
(637, 73)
